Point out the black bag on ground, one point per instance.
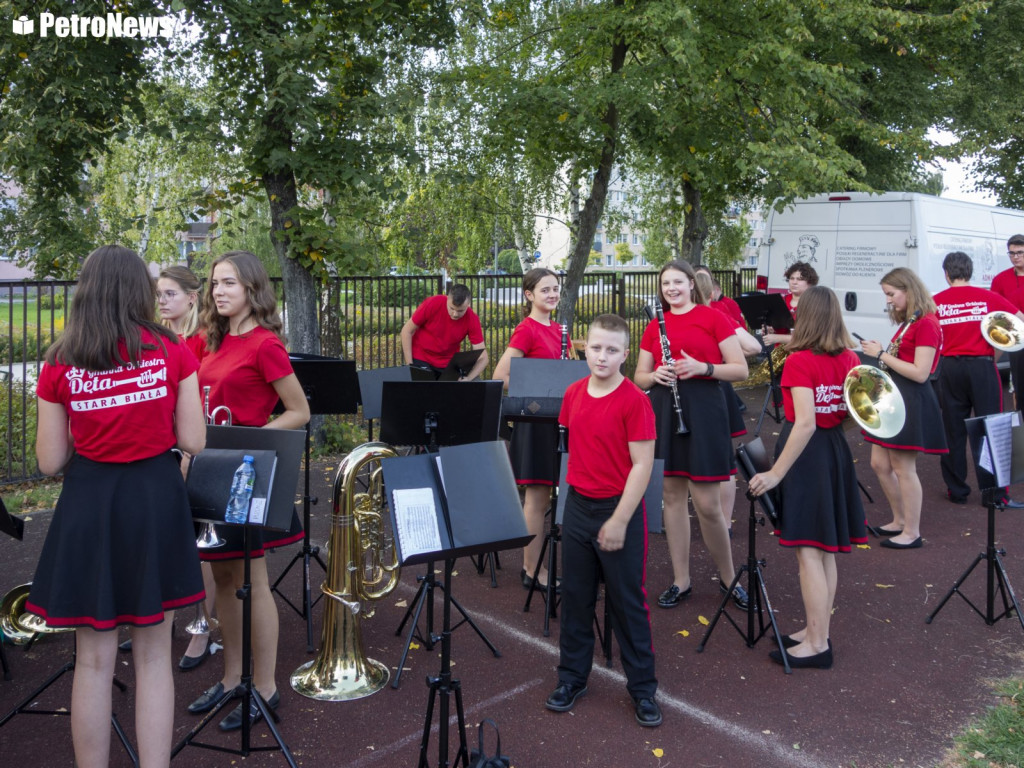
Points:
(480, 759)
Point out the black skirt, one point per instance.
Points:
(534, 453)
(819, 497)
(922, 431)
(737, 427)
(120, 548)
(705, 453)
(260, 540)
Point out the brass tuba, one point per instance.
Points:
(874, 401)
(18, 625)
(362, 565)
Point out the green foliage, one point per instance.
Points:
(509, 261)
(51, 300)
(17, 430)
(338, 435)
(623, 254)
(726, 240)
(596, 259)
(998, 738)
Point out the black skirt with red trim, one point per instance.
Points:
(120, 548)
(534, 452)
(922, 430)
(705, 453)
(819, 497)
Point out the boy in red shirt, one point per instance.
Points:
(436, 329)
(611, 453)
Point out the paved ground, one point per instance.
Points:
(899, 690)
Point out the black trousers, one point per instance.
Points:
(1017, 372)
(583, 563)
(966, 385)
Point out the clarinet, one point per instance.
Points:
(563, 433)
(666, 356)
(565, 341)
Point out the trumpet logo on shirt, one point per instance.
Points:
(828, 398)
(145, 385)
(962, 313)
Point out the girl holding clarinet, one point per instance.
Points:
(247, 369)
(704, 350)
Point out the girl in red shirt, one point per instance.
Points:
(894, 459)
(117, 392)
(247, 369)
(705, 351)
(533, 450)
(820, 503)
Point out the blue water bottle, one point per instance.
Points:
(241, 492)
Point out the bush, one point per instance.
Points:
(400, 292)
(51, 300)
(17, 432)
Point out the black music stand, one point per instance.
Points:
(15, 527)
(752, 458)
(982, 439)
(759, 310)
(460, 365)
(450, 525)
(371, 384)
(541, 379)
(287, 443)
(331, 387)
(438, 414)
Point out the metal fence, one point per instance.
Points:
(360, 319)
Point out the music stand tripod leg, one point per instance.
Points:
(424, 596)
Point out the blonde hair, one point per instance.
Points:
(919, 298)
(189, 283)
(819, 323)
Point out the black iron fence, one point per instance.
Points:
(360, 319)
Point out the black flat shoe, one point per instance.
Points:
(648, 713)
(528, 583)
(563, 698)
(189, 663)
(673, 596)
(821, 660)
(887, 532)
(210, 698)
(789, 642)
(234, 719)
(890, 544)
(739, 595)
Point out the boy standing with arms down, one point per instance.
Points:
(611, 453)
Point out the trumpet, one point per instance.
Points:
(1003, 331)
(666, 357)
(208, 537)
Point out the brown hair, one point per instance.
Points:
(530, 280)
(262, 303)
(679, 265)
(807, 272)
(706, 284)
(113, 303)
(189, 283)
(919, 298)
(819, 323)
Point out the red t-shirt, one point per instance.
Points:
(240, 375)
(961, 308)
(1010, 286)
(534, 339)
(731, 309)
(789, 306)
(600, 430)
(697, 332)
(197, 344)
(923, 332)
(438, 336)
(125, 413)
(824, 375)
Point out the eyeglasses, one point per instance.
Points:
(1015, 254)
(169, 295)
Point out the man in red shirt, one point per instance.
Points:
(1010, 285)
(436, 330)
(968, 380)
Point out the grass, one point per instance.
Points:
(21, 315)
(997, 738)
(25, 498)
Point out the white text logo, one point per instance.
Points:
(111, 25)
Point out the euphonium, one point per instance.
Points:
(1003, 331)
(362, 565)
(873, 401)
(18, 625)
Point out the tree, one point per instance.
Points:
(623, 254)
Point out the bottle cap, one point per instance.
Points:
(250, 459)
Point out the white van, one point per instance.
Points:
(852, 239)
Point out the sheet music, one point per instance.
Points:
(416, 517)
(997, 447)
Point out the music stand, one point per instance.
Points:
(287, 443)
(752, 458)
(980, 436)
(452, 524)
(438, 413)
(543, 379)
(331, 387)
(371, 385)
(460, 365)
(761, 309)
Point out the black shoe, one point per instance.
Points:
(528, 583)
(189, 663)
(890, 544)
(954, 498)
(886, 532)
(564, 697)
(648, 713)
(234, 719)
(126, 646)
(821, 660)
(211, 696)
(789, 642)
(739, 595)
(673, 596)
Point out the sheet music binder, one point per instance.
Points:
(991, 453)
(476, 504)
(209, 483)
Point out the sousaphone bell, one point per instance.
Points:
(1003, 331)
(874, 402)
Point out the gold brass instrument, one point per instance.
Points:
(894, 346)
(1003, 331)
(208, 537)
(18, 625)
(362, 566)
(666, 359)
(874, 401)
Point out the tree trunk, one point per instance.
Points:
(594, 205)
(695, 227)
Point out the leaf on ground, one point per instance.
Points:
(683, 632)
(401, 604)
(703, 620)
(885, 586)
(414, 646)
(657, 752)
(863, 546)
